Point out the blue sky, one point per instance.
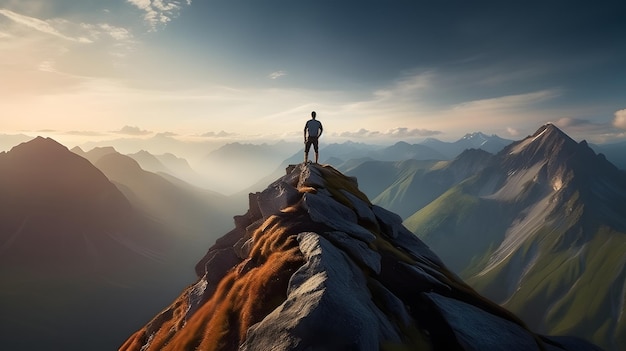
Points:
(253, 69)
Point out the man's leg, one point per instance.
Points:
(316, 148)
(307, 147)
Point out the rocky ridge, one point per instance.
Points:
(313, 265)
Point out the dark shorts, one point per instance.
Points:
(311, 140)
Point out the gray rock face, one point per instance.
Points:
(479, 331)
(328, 307)
(362, 282)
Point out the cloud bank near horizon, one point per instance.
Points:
(620, 119)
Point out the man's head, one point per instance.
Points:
(313, 114)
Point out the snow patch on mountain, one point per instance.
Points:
(524, 143)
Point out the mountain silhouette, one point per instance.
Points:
(186, 210)
(75, 254)
(94, 154)
(313, 265)
(42, 184)
(404, 151)
(541, 230)
(167, 165)
(614, 152)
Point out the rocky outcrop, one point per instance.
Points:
(313, 265)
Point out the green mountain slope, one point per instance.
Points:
(541, 231)
(405, 187)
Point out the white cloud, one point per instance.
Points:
(402, 132)
(277, 74)
(361, 133)
(141, 4)
(166, 135)
(405, 99)
(72, 50)
(584, 126)
(394, 133)
(620, 119)
(571, 122)
(158, 12)
(598, 132)
(220, 134)
(132, 130)
(512, 131)
(117, 33)
(85, 133)
(506, 103)
(47, 66)
(406, 87)
(42, 26)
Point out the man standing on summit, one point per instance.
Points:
(315, 129)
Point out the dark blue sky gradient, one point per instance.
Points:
(578, 45)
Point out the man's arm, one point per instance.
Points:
(321, 130)
(305, 126)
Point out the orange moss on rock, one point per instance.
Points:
(167, 322)
(307, 189)
(243, 297)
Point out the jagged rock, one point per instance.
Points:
(363, 210)
(328, 307)
(478, 331)
(357, 249)
(390, 221)
(273, 199)
(336, 216)
(313, 265)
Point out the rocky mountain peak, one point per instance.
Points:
(475, 136)
(313, 265)
(39, 146)
(548, 140)
(548, 146)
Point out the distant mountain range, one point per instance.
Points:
(181, 207)
(80, 245)
(429, 149)
(349, 155)
(214, 170)
(166, 164)
(476, 140)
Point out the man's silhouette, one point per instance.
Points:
(314, 129)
